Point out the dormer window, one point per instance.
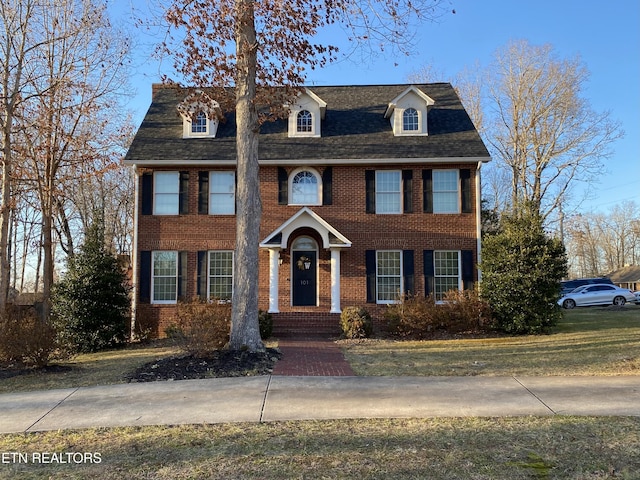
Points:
(410, 122)
(200, 114)
(306, 114)
(408, 112)
(199, 123)
(305, 122)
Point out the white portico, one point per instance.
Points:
(304, 258)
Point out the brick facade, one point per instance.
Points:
(417, 231)
(357, 139)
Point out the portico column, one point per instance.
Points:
(335, 280)
(274, 257)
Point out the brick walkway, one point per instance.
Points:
(312, 356)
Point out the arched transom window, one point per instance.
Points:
(305, 188)
(410, 120)
(304, 123)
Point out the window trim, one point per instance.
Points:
(211, 193)
(156, 193)
(198, 126)
(292, 177)
(438, 297)
(153, 277)
(304, 126)
(379, 192)
(209, 276)
(434, 192)
(414, 120)
(400, 275)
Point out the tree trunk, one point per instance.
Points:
(5, 218)
(245, 330)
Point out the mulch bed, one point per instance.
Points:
(225, 363)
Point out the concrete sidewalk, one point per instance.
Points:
(273, 398)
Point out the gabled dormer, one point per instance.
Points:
(200, 114)
(408, 112)
(306, 115)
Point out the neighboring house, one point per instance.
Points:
(627, 277)
(368, 192)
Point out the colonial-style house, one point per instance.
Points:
(368, 192)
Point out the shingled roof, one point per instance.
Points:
(354, 129)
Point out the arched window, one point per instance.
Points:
(304, 123)
(199, 123)
(305, 188)
(410, 120)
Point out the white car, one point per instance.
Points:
(599, 294)
(637, 294)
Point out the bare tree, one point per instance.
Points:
(600, 243)
(15, 53)
(541, 129)
(255, 46)
(80, 65)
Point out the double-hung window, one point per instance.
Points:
(164, 278)
(305, 188)
(222, 196)
(388, 191)
(446, 272)
(388, 275)
(166, 193)
(220, 274)
(445, 191)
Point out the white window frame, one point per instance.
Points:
(210, 254)
(213, 194)
(439, 275)
(380, 194)
(440, 206)
(173, 193)
(395, 299)
(318, 178)
(414, 120)
(154, 277)
(198, 126)
(304, 126)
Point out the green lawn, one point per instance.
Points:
(588, 341)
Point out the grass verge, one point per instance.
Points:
(470, 448)
(591, 341)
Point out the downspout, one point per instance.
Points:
(134, 256)
(479, 217)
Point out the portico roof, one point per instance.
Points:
(305, 217)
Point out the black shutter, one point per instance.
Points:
(371, 275)
(202, 275)
(182, 274)
(427, 191)
(203, 193)
(146, 182)
(327, 186)
(407, 189)
(183, 197)
(408, 272)
(144, 280)
(370, 179)
(465, 190)
(283, 186)
(468, 268)
(429, 274)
